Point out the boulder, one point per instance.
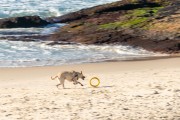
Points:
(22, 22)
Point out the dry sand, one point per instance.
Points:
(131, 90)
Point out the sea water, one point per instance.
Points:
(38, 53)
(14, 54)
(44, 8)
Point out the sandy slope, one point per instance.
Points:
(147, 90)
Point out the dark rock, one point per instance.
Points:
(170, 9)
(61, 43)
(84, 13)
(22, 22)
(67, 18)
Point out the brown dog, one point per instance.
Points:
(70, 76)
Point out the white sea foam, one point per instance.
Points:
(30, 31)
(14, 54)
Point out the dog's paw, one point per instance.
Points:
(57, 86)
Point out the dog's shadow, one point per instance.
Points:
(109, 86)
(100, 87)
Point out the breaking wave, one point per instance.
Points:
(22, 54)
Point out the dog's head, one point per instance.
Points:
(79, 75)
(82, 76)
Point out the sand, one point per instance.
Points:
(129, 90)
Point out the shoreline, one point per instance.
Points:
(98, 66)
(67, 54)
(167, 56)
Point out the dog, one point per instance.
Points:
(70, 76)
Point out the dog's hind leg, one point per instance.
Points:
(58, 85)
(60, 82)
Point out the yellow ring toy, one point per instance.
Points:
(94, 78)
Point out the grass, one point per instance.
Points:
(125, 24)
(134, 18)
(144, 11)
(134, 22)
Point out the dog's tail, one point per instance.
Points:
(53, 78)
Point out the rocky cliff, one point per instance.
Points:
(153, 25)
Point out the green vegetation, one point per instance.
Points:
(134, 22)
(144, 12)
(145, 1)
(129, 23)
(133, 18)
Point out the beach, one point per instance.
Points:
(131, 46)
(128, 90)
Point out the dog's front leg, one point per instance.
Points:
(63, 86)
(58, 85)
(75, 81)
(80, 83)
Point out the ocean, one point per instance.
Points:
(38, 53)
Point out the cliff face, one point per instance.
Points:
(154, 25)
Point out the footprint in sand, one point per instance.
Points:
(3, 111)
(176, 90)
(8, 115)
